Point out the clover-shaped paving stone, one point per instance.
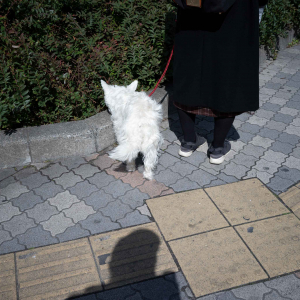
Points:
(18, 224)
(54, 171)
(7, 211)
(116, 210)
(98, 199)
(42, 212)
(13, 190)
(57, 224)
(117, 188)
(79, 211)
(68, 180)
(63, 200)
(86, 170)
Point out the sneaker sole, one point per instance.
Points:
(218, 161)
(185, 154)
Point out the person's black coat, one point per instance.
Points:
(216, 58)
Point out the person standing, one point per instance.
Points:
(216, 71)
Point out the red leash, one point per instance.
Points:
(164, 73)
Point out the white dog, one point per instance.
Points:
(136, 119)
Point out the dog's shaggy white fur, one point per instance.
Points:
(136, 119)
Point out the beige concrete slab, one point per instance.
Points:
(131, 255)
(184, 214)
(58, 271)
(246, 201)
(7, 278)
(292, 199)
(275, 242)
(216, 261)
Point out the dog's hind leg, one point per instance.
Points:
(130, 165)
(150, 161)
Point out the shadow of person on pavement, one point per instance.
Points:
(134, 269)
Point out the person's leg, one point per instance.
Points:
(187, 121)
(219, 148)
(191, 140)
(222, 127)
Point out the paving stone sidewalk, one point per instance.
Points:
(58, 201)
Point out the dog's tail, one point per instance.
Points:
(124, 153)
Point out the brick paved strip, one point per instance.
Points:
(7, 278)
(57, 272)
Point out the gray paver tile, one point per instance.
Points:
(292, 130)
(274, 296)
(289, 173)
(4, 236)
(273, 85)
(82, 189)
(284, 95)
(279, 126)
(11, 246)
(79, 211)
(144, 210)
(201, 177)
(34, 180)
(117, 188)
(25, 172)
(42, 212)
(245, 137)
(173, 150)
(267, 91)
(243, 117)
(255, 120)
(167, 160)
(237, 124)
(167, 177)
(184, 184)
(289, 111)
(216, 182)
(54, 171)
(36, 237)
(245, 160)
(48, 190)
(7, 181)
(264, 97)
(196, 159)
(293, 104)
(133, 218)
(86, 170)
(262, 142)
(262, 113)
(270, 106)
(235, 170)
(252, 128)
(72, 162)
(4, 173)
(116, 210)
(63, 200)
(282, 147)
(296, 122)
(26, 201)
(284, 118)
(279, 184)
(57, 224)
(227, 178)
(293, 83)
(277, 157)
(253, 150)
(169, 135)
(18, 224)
(263, 176)
(183, 168)
(277, 100)
(97, 223)
(68, 180)
(73, 233)
(287, 286)
(13, 190)
(134, 198)
(7, 211)
(283, 75)
(263, 165)
(98, 199)
(288, 89)
(289, 138)
(101, 180)
(296, 152)
(255, 291)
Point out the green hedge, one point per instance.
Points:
(54, 53)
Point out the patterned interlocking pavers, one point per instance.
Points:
(6, 173)
(4, 236)
(11, 246)
(72, 162)
(57, 224)
(48, 190)
(117, 170)
(133, 178)
(36, 237)
(82, 189)
(63, 200)
(26, 201)
(117, 188)
(98, 223)
(279, 185)
(25, 172)
(18, 224)
(168, 177)
(7, 181)
(152, 188)
(115, 210)
(68, 180)
(54, 170)
(79, 211)
(35, 180)
(134, 198)
(91, 157)
(133, 218)
(72, 233)
(98, 199)
(13, 190)
(86, 170)
(7, 211)
(42, 212)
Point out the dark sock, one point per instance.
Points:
(187, 121)
(222, 127)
